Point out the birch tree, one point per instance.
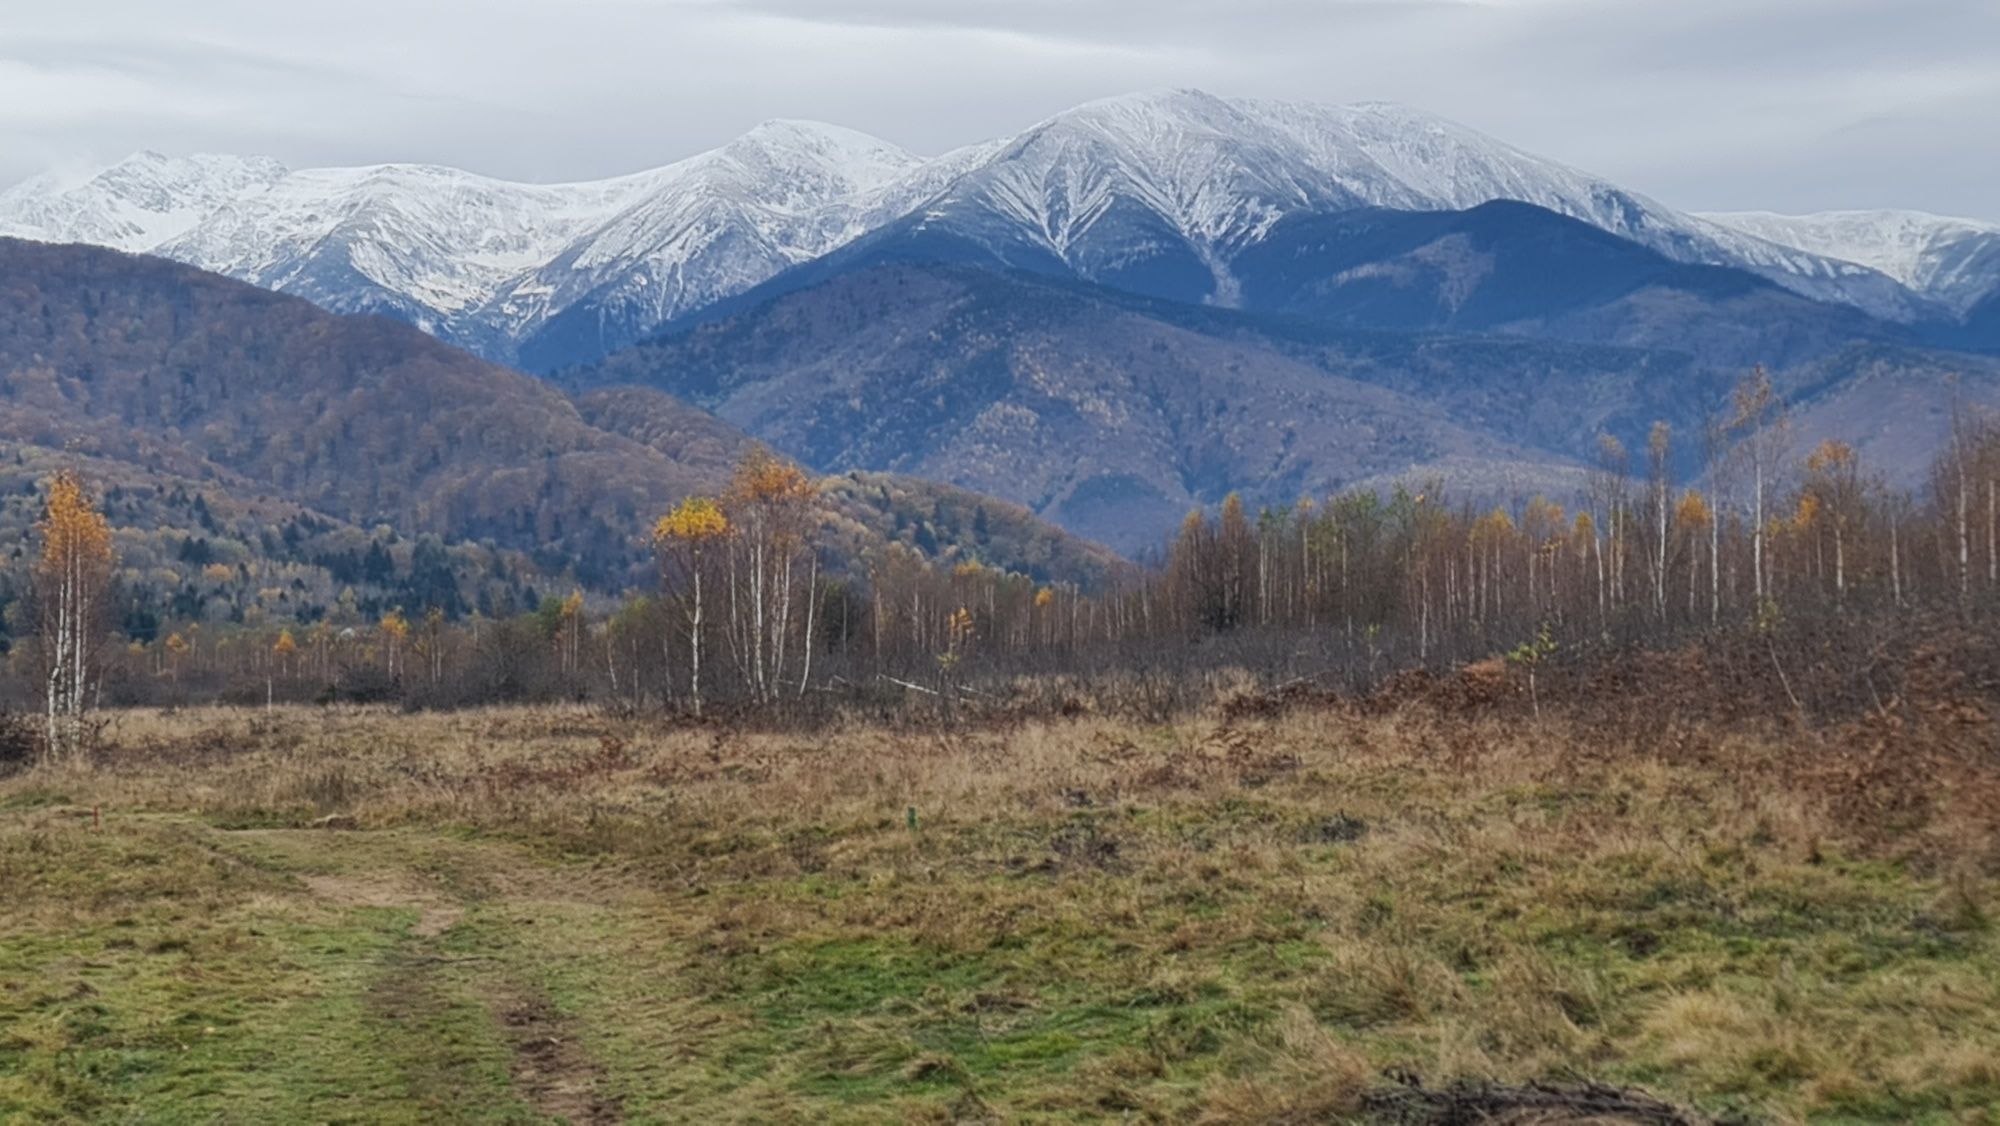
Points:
(770, 504)
(1761, 421)
(72, 584)
(685, 539)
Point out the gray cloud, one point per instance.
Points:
(1786, 104)
(1165, 22)
(166, 60)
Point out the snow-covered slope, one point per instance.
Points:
(482, 262)
(1955, 262)
(701, 230)
(432, 245)
(136, 204)
(1177, 176)
(1158, 192)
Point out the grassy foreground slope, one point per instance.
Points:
(516, 916)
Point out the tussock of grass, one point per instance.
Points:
(330, 915)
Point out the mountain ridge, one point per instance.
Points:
(1066, 398)
(1170, 184)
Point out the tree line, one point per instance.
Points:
(750, 614)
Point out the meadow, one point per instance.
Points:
(1405, 907)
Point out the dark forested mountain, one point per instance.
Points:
(1979, 331)
(1111, 413)
(1514, 268)
(1071, 401)
(211, 405)
(1499, 268)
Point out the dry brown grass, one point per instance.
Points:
(1236, 917)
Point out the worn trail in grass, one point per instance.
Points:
(530, 918)
(279, 975)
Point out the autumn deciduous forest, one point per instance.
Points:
(1782, 539)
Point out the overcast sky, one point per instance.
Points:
(1705, 104)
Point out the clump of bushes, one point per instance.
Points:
(20, 742)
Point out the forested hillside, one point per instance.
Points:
(358, 417)
(265, 461)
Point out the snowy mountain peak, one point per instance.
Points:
(1856, 218)
(189, 178)
(1953, 261)
(1141, 123)
(1174, 179)
(837, 159)
(817, 135)
(1183, 104)
(1220, 172)
(1376, 153)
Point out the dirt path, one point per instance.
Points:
(549, 1069)
(443, 882)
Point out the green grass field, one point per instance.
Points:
(517, 916)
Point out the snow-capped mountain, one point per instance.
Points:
(1955, 262)
(1159, 192)
(701, 230)
(430, 245)
(1172, 184)
(482, 262)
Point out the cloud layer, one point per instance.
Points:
(1706, 104)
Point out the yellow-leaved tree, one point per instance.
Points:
(771, 505)
(72, 587)
(685, 538)
(394, 628)
(1693, 518)
(569, 636)
(282, 651)
(176, 647)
